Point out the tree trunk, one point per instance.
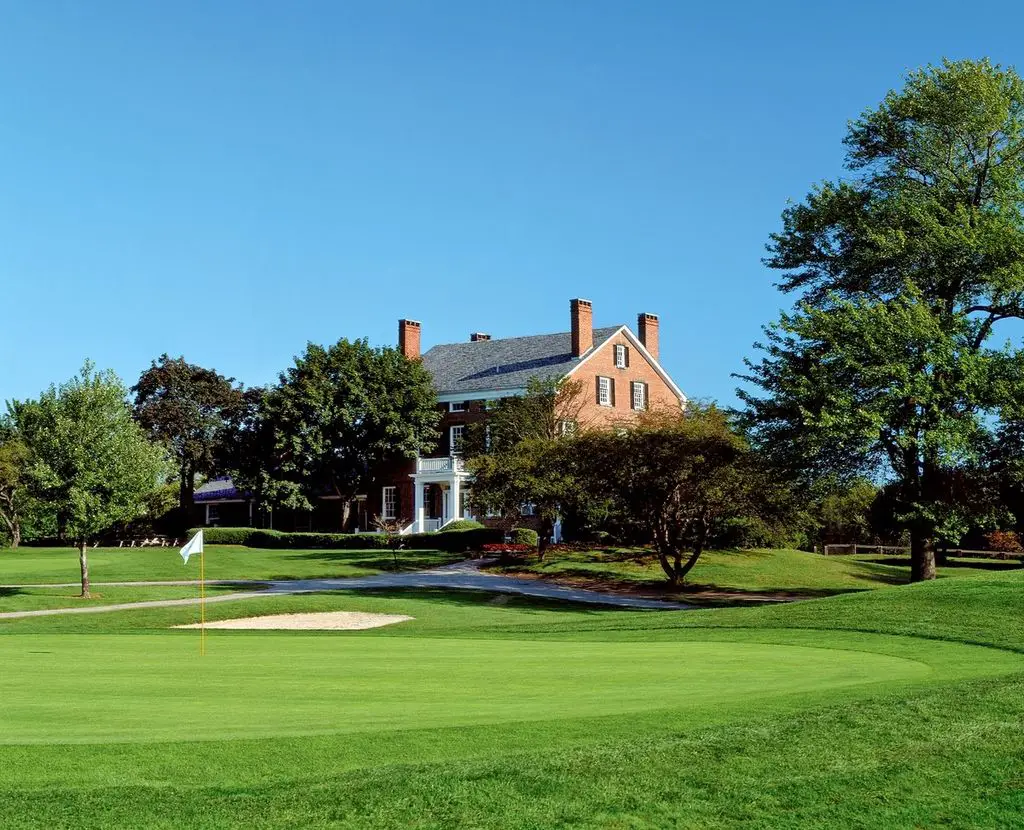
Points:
(15, 533)
(83, 561)
(546, 529)
(922, 557)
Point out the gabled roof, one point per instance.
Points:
(217, 489)
(497, 365)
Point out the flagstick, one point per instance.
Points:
(202, 604)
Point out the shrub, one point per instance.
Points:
(455, 541)
(1003, 541)
(225, 535)
(525, 536)
(461, 524)
(506, 547)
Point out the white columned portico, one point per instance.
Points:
(453, 512)
(419, 510)
(450, 475)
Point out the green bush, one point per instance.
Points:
(225, 535)
(461, 524)
(455, 541)
(525, 536)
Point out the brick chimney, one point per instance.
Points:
(582, 316)
(477, 336)
(409, 338)
(647, 331)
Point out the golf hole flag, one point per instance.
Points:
(195, 545)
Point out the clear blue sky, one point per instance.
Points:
(228, 180)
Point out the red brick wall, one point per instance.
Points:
(602, 363)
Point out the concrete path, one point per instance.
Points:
(465, 576)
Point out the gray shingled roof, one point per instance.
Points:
(493, 365)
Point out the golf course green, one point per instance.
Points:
(896, 707)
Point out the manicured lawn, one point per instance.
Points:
(57, 565)
(34, 599)
(865, 710)
(788, 571)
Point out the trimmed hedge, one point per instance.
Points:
(461, 524)
(224, 535)
(525, 536)
(451, 541)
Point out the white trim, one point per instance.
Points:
(632, 338)
(602, 388)
(462, 406)
(481, 395)
(620, 351)
(451, 438)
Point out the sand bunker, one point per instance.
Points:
(322, 621)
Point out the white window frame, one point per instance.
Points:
(384, 503)
(604, 391)
(639, 395)
(457, 406)
(527, 509)
(452, 445)
(212, 513)
(621, 358)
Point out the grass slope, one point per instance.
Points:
(789, 571)
(60, 565)
(863, 710)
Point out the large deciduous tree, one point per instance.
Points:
(517, 455)
(903, 272)
(186, 407)
(341, 410)
(680, 477)
(14, 480)
(92, 464)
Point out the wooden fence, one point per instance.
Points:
(851, 549)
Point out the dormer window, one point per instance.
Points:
(621, 357)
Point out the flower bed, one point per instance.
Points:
(506, 548)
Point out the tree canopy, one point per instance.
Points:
(91, 462)
(185, 407)
(903, 271)
(341, 410)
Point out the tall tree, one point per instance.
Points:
(14, 480)
(185, 407)
(680, 477)
(91, 462)
(903, 272)
(341, 410)
(516, 454)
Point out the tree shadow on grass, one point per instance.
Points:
(11, 592)
(973, 564)
(477, 598)
(385, 560)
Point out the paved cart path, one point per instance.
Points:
(465, 576)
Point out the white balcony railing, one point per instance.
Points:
(451, 464)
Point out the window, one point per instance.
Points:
(605, 391)
(621, 357)
(526, 509)
(389, 502)
(567, 427)
(457, 406)
(458, 432)
(639, 395)
(212, 513)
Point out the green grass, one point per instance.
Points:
(58, 565)
(900, 707)
(786, 571)
(35, 599)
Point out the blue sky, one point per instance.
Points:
(229, 180)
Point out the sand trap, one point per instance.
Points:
(322, 621)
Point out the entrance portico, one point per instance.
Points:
(440, 493)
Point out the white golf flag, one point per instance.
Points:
(195, 545)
